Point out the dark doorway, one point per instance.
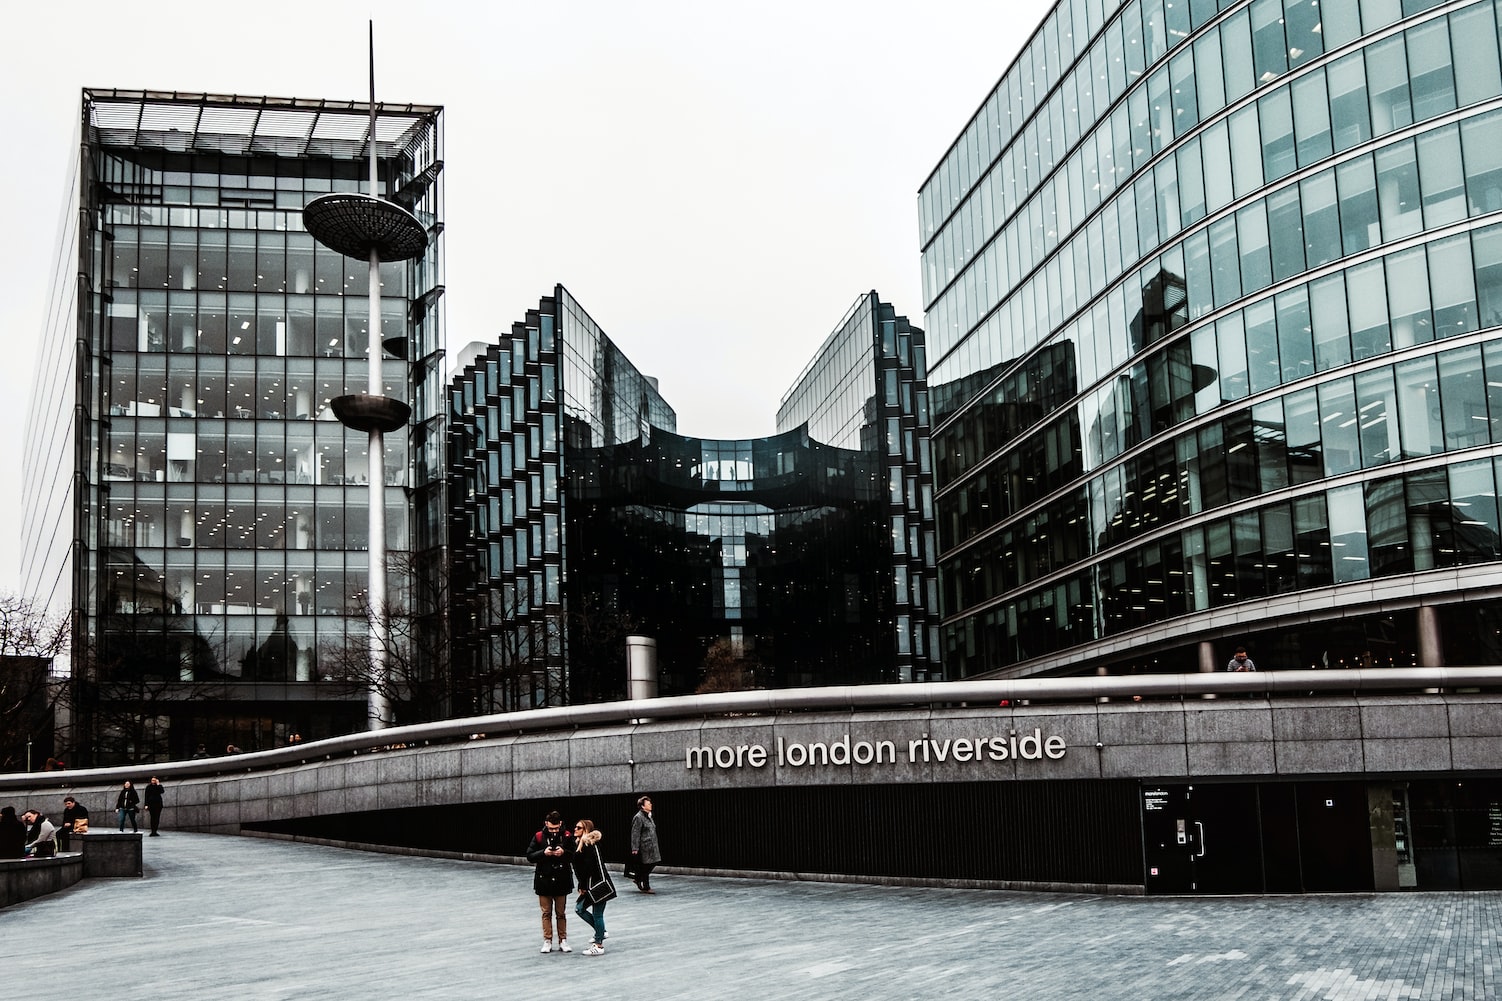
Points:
(1202, 839)
(1256, 838)
(1335, 840)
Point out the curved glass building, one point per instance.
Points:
(1213, 295)
(579, 515)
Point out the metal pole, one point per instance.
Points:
(380, 698)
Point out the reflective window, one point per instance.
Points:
(1350, 115)
(1376, 405)
(1359, 225)
(1322, 227)
(1398, 191)
(1463, 395)
(1279, 156)
(1419, 407)
(1431, 78)
(1387, 85)
(1441, 176)
(1338, 427)
(1366, 297)
(1412, 320)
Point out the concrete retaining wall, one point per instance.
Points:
(1233, 738)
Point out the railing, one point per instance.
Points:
(1017, 691)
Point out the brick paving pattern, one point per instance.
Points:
(257, 919)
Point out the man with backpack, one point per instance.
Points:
(552, 851)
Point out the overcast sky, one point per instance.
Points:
(716, 182)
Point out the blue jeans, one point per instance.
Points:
(128, 813)
(595, 920)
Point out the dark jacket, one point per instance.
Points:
(553, 877)
(153, 796)
(12, 834)
(644, 839)
(72, 813)
(589, 865)
(128, 799)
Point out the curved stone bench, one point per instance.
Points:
(23, 879)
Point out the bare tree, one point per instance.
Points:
(29, 641)
(513, 655)
(597, 649)
(417, 680)
(127, 686)
(728, 669)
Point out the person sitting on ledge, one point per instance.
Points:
(41, 836)
(12, 834)
(75, 821)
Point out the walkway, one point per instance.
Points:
(221, 917)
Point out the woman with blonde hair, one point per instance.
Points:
(595, 887)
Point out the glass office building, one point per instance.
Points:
(579, 515)
(195, 503)
(1213, 294)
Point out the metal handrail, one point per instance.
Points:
(1090, 689)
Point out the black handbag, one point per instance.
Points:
(600, 888)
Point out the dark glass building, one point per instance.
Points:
(1213, 294)
(579, 516)
(193, 501)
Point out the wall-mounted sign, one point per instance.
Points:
(1027, 746)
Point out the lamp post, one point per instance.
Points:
(370, 228)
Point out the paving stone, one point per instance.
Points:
(219, 916)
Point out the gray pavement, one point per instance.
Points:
(245, 918)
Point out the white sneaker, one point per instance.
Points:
(595, 950)
(563, 945)
(547, 947)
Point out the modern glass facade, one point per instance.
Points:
(580, 516)
(199, 508)
(866, 389)
(1213, 294)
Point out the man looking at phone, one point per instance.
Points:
(552, 851)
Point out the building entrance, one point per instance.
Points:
(1256, 838)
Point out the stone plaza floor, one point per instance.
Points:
(251, 919)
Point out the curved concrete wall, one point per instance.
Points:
(1225, 739)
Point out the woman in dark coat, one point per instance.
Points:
(589, 866)
(126, 805)
(644, 851)
(12, 834)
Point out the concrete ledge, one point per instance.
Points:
(109, 854)
(23, 879)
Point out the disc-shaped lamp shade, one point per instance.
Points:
(354, 224)
(363, 412)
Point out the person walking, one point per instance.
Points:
(12, 834)
(644, 851)
(41, 836)
(552, 851)
(126, 805)
(75, 821)
(595, 887)
(154, 802)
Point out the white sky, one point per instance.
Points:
(715, 182)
